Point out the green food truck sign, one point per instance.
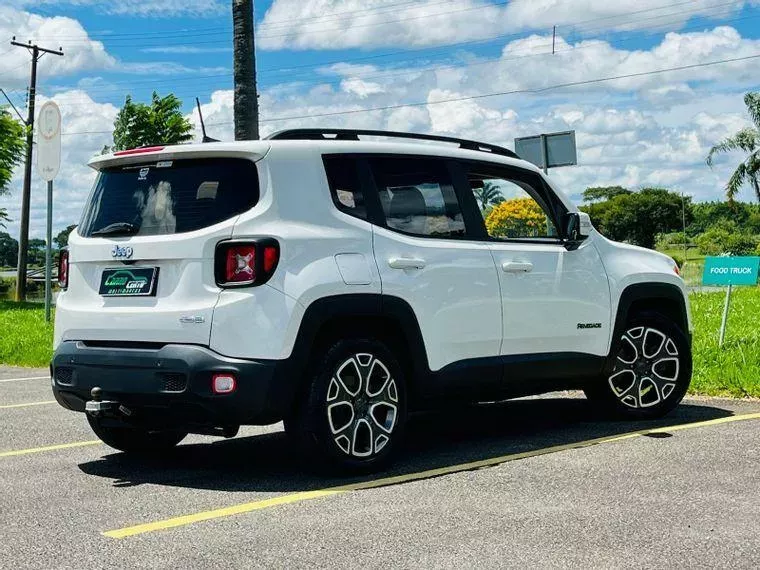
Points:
(730, 271)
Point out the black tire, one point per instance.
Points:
(367, 440)
(134, 440)
(633, 360)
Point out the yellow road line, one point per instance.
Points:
(3, 380)
(395, 480)
(48, 448)
(225, 512)
(45, 403)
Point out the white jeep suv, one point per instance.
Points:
(338, 284)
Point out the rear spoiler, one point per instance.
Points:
(252, 150)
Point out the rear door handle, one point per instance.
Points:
(517, 266)
(406, 263)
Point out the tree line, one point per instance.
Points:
(36, 251)
(655, 218)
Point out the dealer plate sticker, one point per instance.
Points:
(129, 282)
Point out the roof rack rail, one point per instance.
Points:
(353, 135)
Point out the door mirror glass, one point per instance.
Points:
(573, 232)
(572, 226)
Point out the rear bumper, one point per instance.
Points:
(171, 384)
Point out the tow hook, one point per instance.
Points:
(97, 406)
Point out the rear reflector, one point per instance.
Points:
(63, 269)
(138, 150)
(223, 383)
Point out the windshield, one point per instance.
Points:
(169, 196)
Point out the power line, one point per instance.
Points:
(518, 91)
(373, 75)
(285, 22)
(697, 10)
(387, 74)
(13, 68)
(575, 25)
(182, 33)
(471, 42)
(23, 120)
(384, 22)
(425, 16)
(482, 96)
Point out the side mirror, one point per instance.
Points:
(572, 226)
(574, 233)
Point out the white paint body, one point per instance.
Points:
(472, 299)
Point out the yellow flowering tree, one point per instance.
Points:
(518, 217)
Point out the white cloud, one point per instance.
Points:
(339, 24)
(464, 116)
(597, 59)
(601, 15)
(81, 52)
(362, 89)
(523, 68)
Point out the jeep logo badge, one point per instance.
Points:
(119, 252)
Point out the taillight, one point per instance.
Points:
(245, 263)
(271, 257)
(63, 269)
(240, 264)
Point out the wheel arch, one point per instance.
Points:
(664, 298)
(386, 318)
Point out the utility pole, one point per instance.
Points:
(246, 99)
(23, 242)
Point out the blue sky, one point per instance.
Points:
(331, 62)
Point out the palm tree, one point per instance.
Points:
(246, 104)
(488, 195)
(747, 140)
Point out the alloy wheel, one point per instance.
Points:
(646, 368)
(362, 405)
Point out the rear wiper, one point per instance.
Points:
(124, 228)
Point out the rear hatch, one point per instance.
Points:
(142, 259)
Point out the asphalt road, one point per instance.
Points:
(685, 495)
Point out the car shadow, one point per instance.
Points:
(448, 437)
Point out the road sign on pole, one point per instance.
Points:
(48, 165)
(548, 150)
(730, 271)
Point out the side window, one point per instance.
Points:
(418, 197)
(345, 186)
(510, 205)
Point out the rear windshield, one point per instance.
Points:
(169, 196)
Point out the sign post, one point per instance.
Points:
(729, 271)
(48, 164)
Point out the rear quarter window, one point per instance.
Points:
(345, 186)
(171, 196)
